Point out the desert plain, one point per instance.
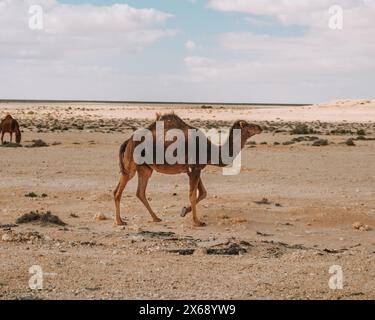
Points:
(303, 202)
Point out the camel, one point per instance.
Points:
(129, 167)
(8, 124)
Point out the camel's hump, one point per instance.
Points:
(168, 116)
(172, 119)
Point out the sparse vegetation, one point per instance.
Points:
(298, 139)
(350, 143)
(38, 143)
(361, 138)
(305, 138)
(341, 131)
(44, 218)
(320, 142)
(263, 201)
(287, 143)
(11, 145)
(361, 132)
(35, 195)
(302, 129)
(31, 195)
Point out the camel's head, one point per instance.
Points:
(247, 129)
(18, 136)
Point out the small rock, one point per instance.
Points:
(365, 228)
(361, 227)
(7, 237)
(357, 225)
(200, 252)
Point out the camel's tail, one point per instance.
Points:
(1, 125)
(121, 156)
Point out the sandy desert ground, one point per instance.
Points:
(320, 210)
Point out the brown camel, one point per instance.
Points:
(8, 124)
(129, 166)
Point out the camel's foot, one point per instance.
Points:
(119, 222)
(184, 212)
(156, 219)
(199, 223)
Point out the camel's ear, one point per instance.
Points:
(242, 124)
(158, 115)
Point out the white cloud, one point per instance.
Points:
(79, 51)
(77, 29)
(316, 65)
(301, 12)
(190, 45)
(96, 52)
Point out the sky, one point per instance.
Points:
(245, 51)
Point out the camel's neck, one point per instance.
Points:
(230, 149)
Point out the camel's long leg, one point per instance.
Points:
(144, 174)
(118, 193)
(2, 137)
(194, 178)
(202, 195)
(11, 136)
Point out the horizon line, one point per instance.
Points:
(154, 102)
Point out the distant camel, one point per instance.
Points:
(129, 166)
(8, 124)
